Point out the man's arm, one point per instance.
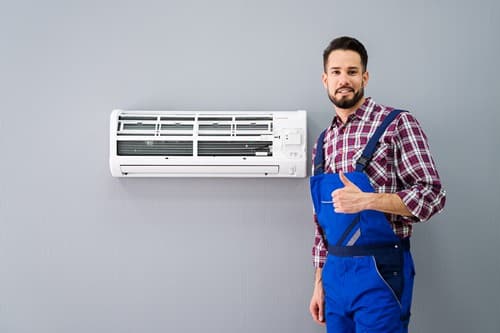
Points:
(350, 199)
(316, 307)
(421, 195)
(319, 253)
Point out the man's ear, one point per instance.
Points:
(366, 77)
(324, 80)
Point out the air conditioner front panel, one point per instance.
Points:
(208, 143)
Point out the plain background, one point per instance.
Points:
(81, 251)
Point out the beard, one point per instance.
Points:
(346, 103)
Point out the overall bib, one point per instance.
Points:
(368, 274)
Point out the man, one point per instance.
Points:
(366, 196)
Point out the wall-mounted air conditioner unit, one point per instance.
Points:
(208, 144)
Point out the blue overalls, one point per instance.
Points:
(368, 274)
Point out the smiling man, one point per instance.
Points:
(373, 178)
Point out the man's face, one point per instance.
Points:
(344, 79)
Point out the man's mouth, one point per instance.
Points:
(344, 90)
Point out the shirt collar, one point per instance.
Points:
(362, 113)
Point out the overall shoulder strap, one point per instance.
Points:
(367, 154)
(319, 158)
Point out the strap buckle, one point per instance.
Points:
(363, 162)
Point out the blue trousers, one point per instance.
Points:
(361, 296)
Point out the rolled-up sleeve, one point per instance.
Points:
(319, 250)
(422, 192)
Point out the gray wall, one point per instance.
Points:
(81, 251)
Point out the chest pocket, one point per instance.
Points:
(378, 167)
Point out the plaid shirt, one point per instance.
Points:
(401, 164)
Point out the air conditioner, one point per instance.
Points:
(208, 144)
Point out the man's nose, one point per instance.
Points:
(343, 79)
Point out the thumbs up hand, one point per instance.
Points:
(349, 199)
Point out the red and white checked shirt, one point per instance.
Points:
(401, 164)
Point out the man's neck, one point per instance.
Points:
(343, 114)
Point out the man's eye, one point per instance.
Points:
(335, 72)
(353, 72)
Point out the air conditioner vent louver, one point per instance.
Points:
(208, 144)
(215, 118)
(215, 127)
(139, 127)
(174, 127)
(253, 118)
(234, 148)
(177, 118)
(138, 118)
(155, 148)
(252, 127)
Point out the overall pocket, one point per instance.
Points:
(390, 268)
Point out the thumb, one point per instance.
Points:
(321, 312)
(345, 181)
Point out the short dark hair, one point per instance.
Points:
(346, 43)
